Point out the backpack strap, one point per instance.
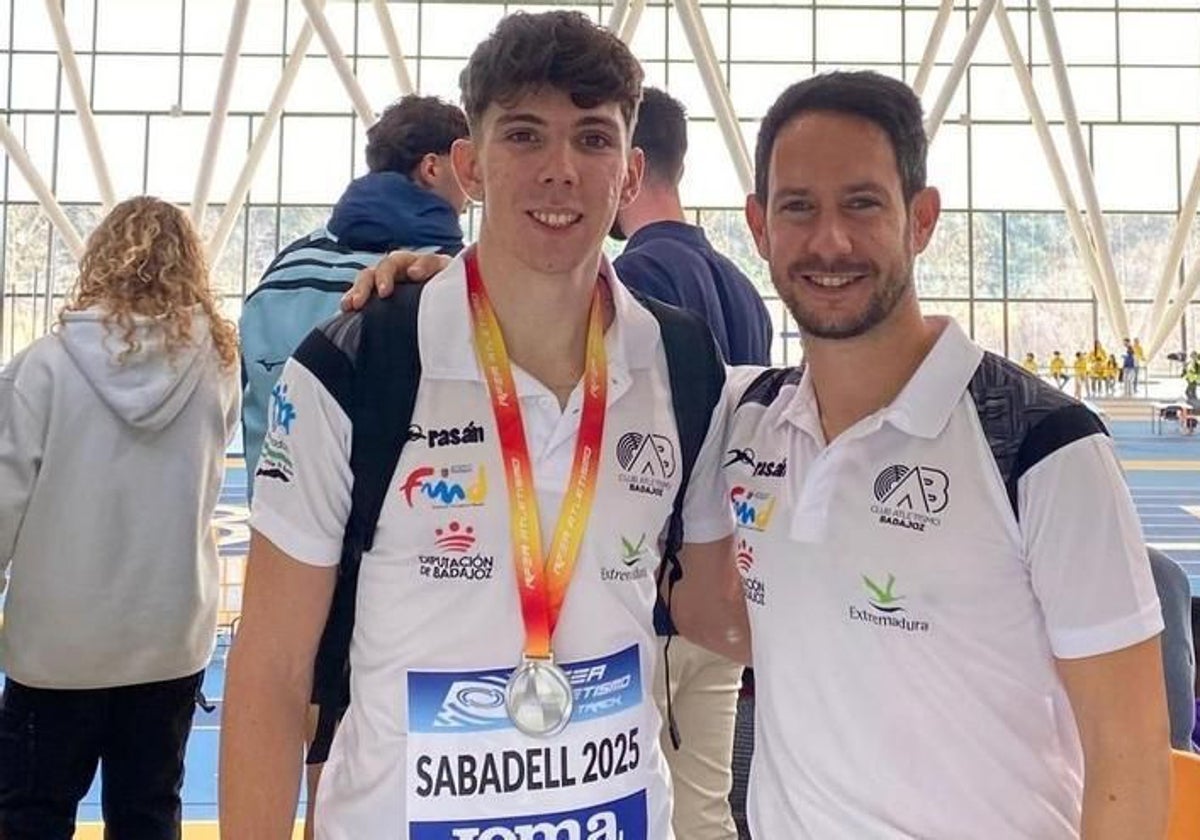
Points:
(765, 387)
(697, 375)
(381, 343)
(1024, 419)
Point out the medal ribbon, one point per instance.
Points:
(541, 581)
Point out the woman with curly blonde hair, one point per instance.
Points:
(112, 444)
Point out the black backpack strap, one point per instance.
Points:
(1024, 419)
(697, 375)
(765, 388)
(386, 362)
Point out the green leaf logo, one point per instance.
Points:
(630, 553)
(882, 597)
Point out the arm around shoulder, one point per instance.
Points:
(707, 604)
(268, 686)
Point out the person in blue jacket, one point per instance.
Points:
(670, 260)
(409, 199)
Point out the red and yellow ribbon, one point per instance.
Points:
(541, 580)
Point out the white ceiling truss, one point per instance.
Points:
(1086, 225)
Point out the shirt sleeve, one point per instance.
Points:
(1086, 553)
(303, 481)
(707, 514)
(22, 442)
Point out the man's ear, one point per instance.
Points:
(923, 212)
(756, 220)
(464, 158)
(425, 173)
(635, 169)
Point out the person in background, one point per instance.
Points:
(1112, 373)
(668, 259)
(1139, 355)
(671, 260)
(1030, 363)
(409, 199)
(1082, 384)
(1129, 370)
(1191, 376)
(1058, 370)
(113, 431)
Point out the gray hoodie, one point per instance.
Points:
(109, 474)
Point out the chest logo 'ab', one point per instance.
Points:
(911, 497)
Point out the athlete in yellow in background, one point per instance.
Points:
(1058, 370)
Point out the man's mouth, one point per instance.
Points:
(832, 281)
(555, 221)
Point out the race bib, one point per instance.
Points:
(473, 776)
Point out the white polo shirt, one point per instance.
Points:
(905, 625)
(426, 750)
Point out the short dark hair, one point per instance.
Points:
(885, 101)
(661, 133)
(410, 128)
(563, 50)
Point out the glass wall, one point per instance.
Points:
(1002, 262)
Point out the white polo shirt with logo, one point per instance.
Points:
(426, 750)
(906, 623)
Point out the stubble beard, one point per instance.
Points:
(886, 296)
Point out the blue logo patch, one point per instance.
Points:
(283, 411)
(623, 819)
(443, 702)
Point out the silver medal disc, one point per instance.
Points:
(539, 698)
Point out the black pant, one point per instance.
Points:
(52, 739)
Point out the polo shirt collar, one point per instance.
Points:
(448, 346)
(923, 407)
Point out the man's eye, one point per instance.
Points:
(862, 202)
(796, 207)
(596, 141)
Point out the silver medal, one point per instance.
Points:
(538, 698)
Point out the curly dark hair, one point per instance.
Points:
(563, 50)
(410, 128)
(885, 101)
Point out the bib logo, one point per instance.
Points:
(469, 433)
(599, 826)
(752, 509)
(276, 458)
(461, 485)
(885, 608)
(454, 563)
(761, 469)
(752, 586)
(911, 497)
(647, 462)
(619, 819)
(474, 702)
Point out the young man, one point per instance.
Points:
(937, 654)
(434, 743)
(409, 199)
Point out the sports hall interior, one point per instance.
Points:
(1065, 141)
